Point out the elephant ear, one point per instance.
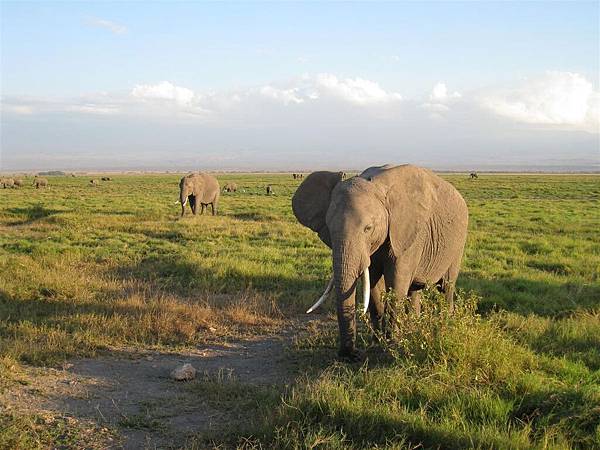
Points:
(409, 201)
(311, 201)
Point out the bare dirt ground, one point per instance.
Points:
(128, 397)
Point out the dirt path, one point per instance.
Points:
(132, 393)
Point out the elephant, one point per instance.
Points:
(230, 187)
(7, 183)
(269, 190)
(399, 227)
(106, 179)
(19, 182)
(39, 182)
(473, 175)
(199, 188)
(94, 182)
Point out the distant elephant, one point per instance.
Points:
(106, 179)
(269, 190)
(199, 188)
(230, 187)
(40, 182)
(295, 175)
(7, 183)
(94, 182)
(400, 227)
(19, 182)
(473, 175)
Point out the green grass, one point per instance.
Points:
(84, 270)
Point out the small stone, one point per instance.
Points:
(184, 373)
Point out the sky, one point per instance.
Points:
(299, 86)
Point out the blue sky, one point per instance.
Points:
(222, 81)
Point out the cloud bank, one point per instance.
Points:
(556, 98)
(313, 121)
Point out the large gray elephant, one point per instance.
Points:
(201, 189)
(39, 182)
(400, 227)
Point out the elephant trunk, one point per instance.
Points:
(347, 266)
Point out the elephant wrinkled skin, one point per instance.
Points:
(200, 189)
(403, 224)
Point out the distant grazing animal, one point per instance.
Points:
(39, 182)
(94, 182)
(269, 190)
(106, 179)
(344, 176)
(199, 188)
(230, 187)
(73, 175)
(396, 227)
(473, 175)
(19, 182)
(295, 175)
(7, 183)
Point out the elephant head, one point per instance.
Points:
(189, 187)
(355, 218)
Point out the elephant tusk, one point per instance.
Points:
(366, 289)
(178, 201)
(185, 202)
(322, 298)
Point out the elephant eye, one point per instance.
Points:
(368, 228)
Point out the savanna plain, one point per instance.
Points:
(105, 288)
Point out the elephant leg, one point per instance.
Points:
(449, 282)
(415, 297)
(193, 205)
(396, 278)
(375, 304)
(215, 206)
(212, 207)
(202, 210)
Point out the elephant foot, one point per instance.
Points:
(349, 355)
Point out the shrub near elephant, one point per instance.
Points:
(199, 189)
(399, 227)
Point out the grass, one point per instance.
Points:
(87, 269)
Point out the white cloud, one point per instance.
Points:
(113, 27)
(165, 91)
(354, 90)
(556, 98)
(94, 108)
(439, 94)
(284, 96)
(439, 98)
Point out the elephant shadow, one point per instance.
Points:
(173, 273)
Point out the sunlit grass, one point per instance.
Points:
(85, 269)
